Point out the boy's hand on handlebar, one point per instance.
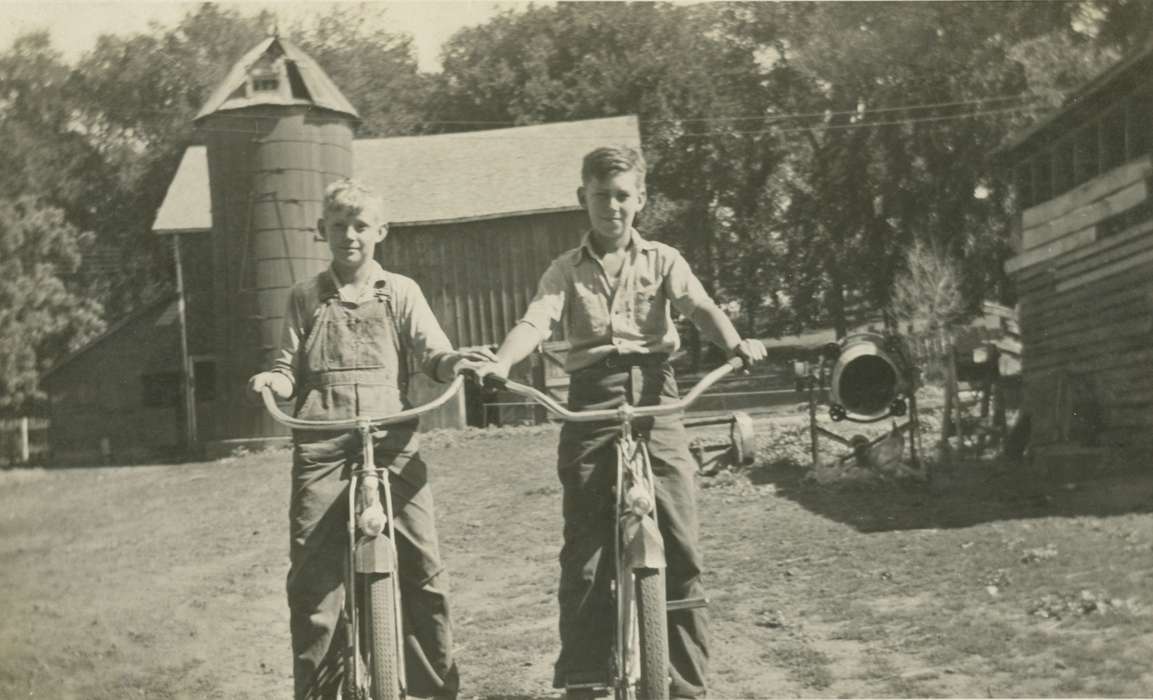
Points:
(751, 350)
(469, 360)
(279, 384)
(498, 369)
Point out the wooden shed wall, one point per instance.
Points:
(102, 394)
(1084, 276)
(479, 276)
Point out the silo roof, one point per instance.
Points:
(322, 92)
(442, 178)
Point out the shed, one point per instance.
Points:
(1083, 270)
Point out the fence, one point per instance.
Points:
(23, 440)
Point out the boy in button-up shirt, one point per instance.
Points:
(615, 291)
(350, 335)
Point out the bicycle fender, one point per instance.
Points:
(374, 555)
(643, 545)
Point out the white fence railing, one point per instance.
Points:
(23, 440)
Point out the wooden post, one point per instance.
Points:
(187, 371)
(25, 451)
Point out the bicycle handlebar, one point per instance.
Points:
(355, 423)
(625, 412)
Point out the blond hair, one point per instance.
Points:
(348, 194)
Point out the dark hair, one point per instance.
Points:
(609, 160)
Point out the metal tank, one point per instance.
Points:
(277, 132)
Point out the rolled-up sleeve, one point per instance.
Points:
(684, 290)
(429, 342)
(547, 307)
(287, 358)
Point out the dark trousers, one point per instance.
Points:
(586, 467)
(318, 515)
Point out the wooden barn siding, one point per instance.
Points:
(100, 394)
(1086, 305)
(479, 278)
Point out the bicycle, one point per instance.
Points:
(372, 594)
(639, 668)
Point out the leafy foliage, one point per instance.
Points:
(41, 317)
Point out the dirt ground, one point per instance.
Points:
(167, 581)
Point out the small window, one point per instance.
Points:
(1023, 185)
(1113, 139)
(1085, 158)
(161, 390)
(1063, 167)
(204, 372)
(1140, 122)
(265, 84)
(1042, 178)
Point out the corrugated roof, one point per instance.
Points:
(442, 178)
(322, 92)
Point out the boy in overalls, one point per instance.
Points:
(350, 335)
(615, 292)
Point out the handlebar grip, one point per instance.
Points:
(738, 363)
(491, 381)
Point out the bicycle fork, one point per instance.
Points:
(374, 553)
(639, 546)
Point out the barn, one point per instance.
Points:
(474, 218)
(1083, 271)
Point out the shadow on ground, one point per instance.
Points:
(969, 495)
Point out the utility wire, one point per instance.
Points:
(721, 118)
(863, 124)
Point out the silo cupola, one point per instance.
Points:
(276, 72)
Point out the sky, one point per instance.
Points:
(76, 24)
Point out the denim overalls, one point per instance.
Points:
(353, 362)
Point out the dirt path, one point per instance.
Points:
(167, 581)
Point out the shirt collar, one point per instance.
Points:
(586, 245)
(374, 278)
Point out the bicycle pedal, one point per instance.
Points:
(686, 604)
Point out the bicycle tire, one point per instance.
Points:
(380, 636)
(652, 624)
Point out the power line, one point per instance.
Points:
(864, 124)
(718, 118)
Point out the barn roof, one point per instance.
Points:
(165, 305)
(442, 178)
(309, 83)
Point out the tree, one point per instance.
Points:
(901, 107)
(698, 95)
(42, 316)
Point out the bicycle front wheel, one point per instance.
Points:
(380, 636)
(652, 628)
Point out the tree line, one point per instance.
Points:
(796, 150)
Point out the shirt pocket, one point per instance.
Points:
(647, 305)
(588, 312)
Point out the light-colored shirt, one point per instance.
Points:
(415, 322)
(633, 318)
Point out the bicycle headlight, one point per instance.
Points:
(372, 520)
(638, 500)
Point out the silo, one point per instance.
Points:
(277, 131)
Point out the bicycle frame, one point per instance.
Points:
(637, 542)
(375, 551)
